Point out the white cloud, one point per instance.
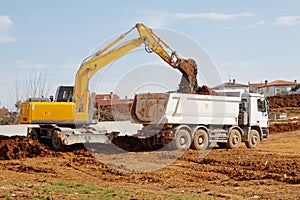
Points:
(261, 22)
(212, 15)
(5, 24)
(287, 20)
(156, 18)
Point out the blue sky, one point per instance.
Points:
(247, 40)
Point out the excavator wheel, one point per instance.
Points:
(56, 140)
(34, 135)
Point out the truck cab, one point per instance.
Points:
(257, 110)
(253, 110)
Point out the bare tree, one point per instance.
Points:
(34, 86)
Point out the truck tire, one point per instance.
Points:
(201, 140)
(56, 141)
(254, 140)
(182, 140)
(234, 139)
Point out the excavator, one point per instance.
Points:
(67, 119)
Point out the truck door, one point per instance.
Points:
(262, 108)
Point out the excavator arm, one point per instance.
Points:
(110, 53)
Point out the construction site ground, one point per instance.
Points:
(31, 170)
(34, 171)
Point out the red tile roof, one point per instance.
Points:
(274, 83)
(256, 85)
(281, 82)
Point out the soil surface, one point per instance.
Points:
(270, 172)
(32, 170)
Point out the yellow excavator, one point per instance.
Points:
(66, 119)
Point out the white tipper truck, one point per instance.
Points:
(192, 120)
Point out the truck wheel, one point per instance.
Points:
(200, 141)
(254, 139)
(56, 141)
(234, 139)
(182, 140)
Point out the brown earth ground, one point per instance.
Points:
(32, 170)
(270, 172)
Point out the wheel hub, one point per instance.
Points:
(235, 139)
(182, 141)
(254, 140)
(200, 140)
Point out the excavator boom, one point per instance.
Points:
(101, 58)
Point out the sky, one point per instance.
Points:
(250, 41)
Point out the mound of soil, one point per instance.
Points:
(128, 143)
(284, 104)
(283, 101)
(282, 127)
(17, 147)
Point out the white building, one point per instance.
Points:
(272, 88)
(231, 85)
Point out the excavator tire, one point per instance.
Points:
(56, 141)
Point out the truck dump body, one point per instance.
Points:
(178, 108)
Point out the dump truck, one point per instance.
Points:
(180, 120)
(68, 118)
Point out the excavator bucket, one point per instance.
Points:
(188, 83)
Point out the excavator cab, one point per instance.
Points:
(64, 94)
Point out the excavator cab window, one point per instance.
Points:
(64, 94)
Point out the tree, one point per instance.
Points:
(33, 86)
(295, 88)
(283, 92)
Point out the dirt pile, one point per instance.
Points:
(282, 127)
(17, 147)
(289, 104)
(283, 101)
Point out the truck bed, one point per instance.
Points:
(178, 108)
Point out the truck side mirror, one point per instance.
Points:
(51, 98)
